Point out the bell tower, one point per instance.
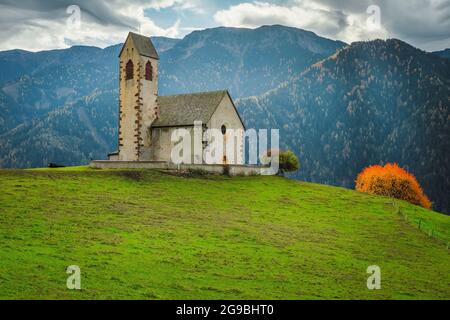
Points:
(138, 92)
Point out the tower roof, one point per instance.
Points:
(144, 45)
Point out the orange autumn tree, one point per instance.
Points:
(392, 181)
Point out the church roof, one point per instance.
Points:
(144, 45)
(184, 109)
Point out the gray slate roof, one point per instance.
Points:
(144, 45)
(184, 109)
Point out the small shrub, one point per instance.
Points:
(197, 173)
(392, 181)
(288, 162)
(188, 173)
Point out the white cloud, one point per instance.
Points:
(321, 18)
(193, 6)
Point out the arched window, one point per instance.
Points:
(149, 71)
(223, 129)
(129, 70)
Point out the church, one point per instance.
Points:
(147, 120)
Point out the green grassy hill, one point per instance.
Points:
(153, 235)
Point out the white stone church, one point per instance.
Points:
(147, 120)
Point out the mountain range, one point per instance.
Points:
(340, 107)
(443, 53)
(370, 103)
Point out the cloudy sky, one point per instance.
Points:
(49, 24)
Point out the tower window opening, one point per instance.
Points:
(129, 70)
(149, 71)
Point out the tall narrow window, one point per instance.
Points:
(129, 70)
(149, 71)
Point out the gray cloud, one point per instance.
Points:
(41, 24)
(420, 22)
(98, 11)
